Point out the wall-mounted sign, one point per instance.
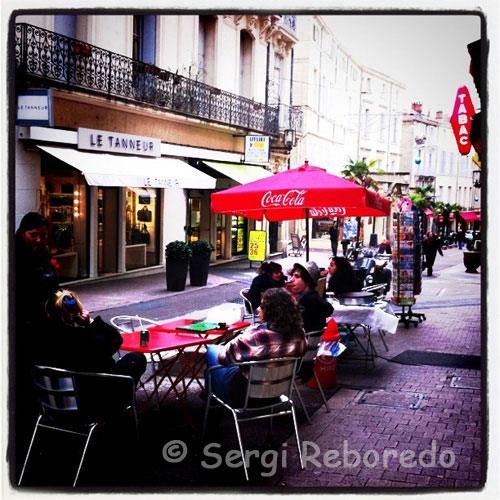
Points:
(461, 119)
(35, 108)
(115, 142)
(257, 246)
(257, 149)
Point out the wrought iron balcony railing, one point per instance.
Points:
(66, 62)
(288, 22)
(291, 117)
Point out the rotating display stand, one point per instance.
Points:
(407, 257)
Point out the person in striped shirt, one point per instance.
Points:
(280, 334)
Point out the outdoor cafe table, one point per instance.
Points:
(169, 345)
(368, 317)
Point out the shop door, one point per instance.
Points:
(107, 232)
(273, 236)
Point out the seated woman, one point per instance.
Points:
(73, 341)
(280, 334)
(341, 277)
(270, 275)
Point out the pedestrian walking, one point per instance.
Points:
(333, 231)
(431, 247)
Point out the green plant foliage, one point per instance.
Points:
(201, 247)
(177, 250)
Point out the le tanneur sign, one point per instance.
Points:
(114, 142)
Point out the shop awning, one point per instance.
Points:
(239, 172)
(428, 212)
(470, 216)
(101, 169)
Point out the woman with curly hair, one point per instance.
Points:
(280, 334)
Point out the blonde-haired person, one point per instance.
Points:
(73, 341)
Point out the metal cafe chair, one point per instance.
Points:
(250, 313)
(313, 342)
(77, 403)
(268, 395)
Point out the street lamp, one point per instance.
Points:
(289, 138)
(476, 178)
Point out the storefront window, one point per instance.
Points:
(194, 214)
(141, 227)
(238, 235)
(63, 202)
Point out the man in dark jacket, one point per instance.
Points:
(315, 310)
(333, 231)
(431, 247)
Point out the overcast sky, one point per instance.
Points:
(428, 54)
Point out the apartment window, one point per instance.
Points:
(206, 50)
(383, 119)
(442, 167)
(65, 25)
(384, 93)
(449, 194)
(246, 47)
(431, 166)
(368, 84)
(393, 165)
(365, 132)
(144, 39)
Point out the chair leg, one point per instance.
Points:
(29, 450)
(296, 429)
(294, 386)
(235, 418)
(321, 391)
(83, 454)
(207, 408)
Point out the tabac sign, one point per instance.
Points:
(115, 142)
(461, 119)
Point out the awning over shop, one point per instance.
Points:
(470, 216)
(101, 169)
(428, 212)
(239, 172)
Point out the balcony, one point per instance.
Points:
(48, 58)
(289, 23)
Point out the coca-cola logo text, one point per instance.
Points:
(292, 198)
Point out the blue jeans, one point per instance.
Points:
(221, 378)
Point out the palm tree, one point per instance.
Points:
(361, 173)
(446, 209)
(422, 198)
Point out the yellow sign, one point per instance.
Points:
(475, 159)
(257, 246)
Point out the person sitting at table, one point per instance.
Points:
(302, 285)
(270, 275)
(279, 334)
(341, 277)
(73, 341)
(314, 309)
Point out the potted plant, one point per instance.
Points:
(199, 263)
(177, 255)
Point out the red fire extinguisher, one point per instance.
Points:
(325, 365)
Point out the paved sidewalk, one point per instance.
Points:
(371, 411)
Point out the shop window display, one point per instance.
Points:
(62, 202)
(141, 228)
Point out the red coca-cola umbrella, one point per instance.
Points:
(300, 193)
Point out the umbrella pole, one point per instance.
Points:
(307, 235)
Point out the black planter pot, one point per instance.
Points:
(176, 271)
(198, 270)
(472, 260)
